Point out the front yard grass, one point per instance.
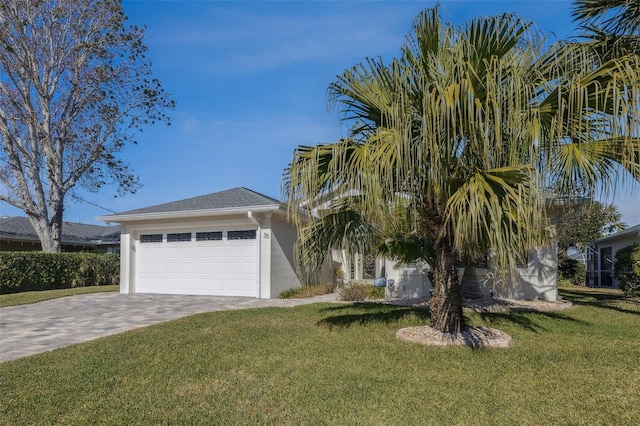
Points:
(27, 297)
(340, 364)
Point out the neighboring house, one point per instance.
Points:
(230, 243)
(602, 253)
(17, 234)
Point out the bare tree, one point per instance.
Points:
(75, 85)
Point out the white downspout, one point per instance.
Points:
(253, 219)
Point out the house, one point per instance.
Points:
(535, 280)
(601, 255)
(17, 234)
(401, 281)
(230, 243)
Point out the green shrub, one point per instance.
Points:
(35, 271)
(376, 292)
(564, 282)
(307, 291)
(288, 294)
(353, 291)
(359, 290)
(627, 270)
(572, 270)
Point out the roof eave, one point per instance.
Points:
(185, 214)
(624, 233)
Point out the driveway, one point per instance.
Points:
(39, 327)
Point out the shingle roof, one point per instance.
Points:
(19, 228)
(231, 198)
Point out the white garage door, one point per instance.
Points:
(222, 263)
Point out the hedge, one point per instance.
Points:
(627, 270)
(35, 271)
(572, 270)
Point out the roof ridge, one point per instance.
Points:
(233, 198)
(259, 193)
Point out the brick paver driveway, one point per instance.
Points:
(39, 327)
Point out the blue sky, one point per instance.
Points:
(250, 80)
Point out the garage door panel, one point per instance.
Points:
(226, 268)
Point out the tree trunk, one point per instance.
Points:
(446, 303)
(56, 227)
(49, 232)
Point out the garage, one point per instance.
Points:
(198, 262)
(236, 242)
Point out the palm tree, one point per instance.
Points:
(610, 27)
(451, 144)
(613, 16)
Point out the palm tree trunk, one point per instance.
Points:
(446, 303)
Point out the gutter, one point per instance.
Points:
(120, 218)
(253, 219)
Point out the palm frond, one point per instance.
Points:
(619, 16)
(499, 210)
(339, 227)
(463, 130)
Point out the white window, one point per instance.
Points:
(151, 238)
(242, 235)
(181, 236)
(209, 236)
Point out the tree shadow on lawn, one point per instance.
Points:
(382, 313)
(372, 313)
(525, 320)
(599, 299)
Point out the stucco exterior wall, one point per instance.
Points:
(330, 268)
(406, 281)
(536, 280)
(283, 269)
(127, 261)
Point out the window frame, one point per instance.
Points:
(151, 238)
(243, 234)
(179, 237)
(204, 236)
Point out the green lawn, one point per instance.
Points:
(27, 297)
(340, 364)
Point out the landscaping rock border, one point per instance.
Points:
(476, 337)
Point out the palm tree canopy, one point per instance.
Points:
(613, 16)
(463, 131)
